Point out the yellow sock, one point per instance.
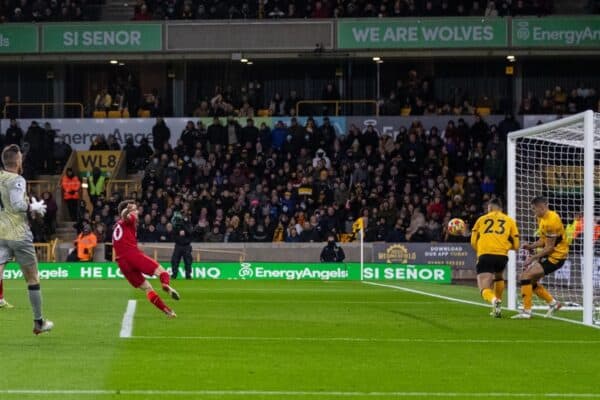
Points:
(499, 288)
(488, 295)
(542, 293)
(527, 293)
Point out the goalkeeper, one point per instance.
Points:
(16, 239)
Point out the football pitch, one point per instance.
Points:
(288, 340)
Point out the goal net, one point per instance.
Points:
(550, 160)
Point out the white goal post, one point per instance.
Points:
(559, 160)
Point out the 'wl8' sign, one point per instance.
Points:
(107, 161)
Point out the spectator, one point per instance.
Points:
(189, 137)
(277, 107)
(332, 252)
(71, 185)
(214, 236)
(14, 134)
(95, 181)
(183, 247)
(35, 138)
(396, 235)
(99, 143)
(202, 110)
(62, 152)
(51, 211)
(160, 134)
(330, 93)
(49, 164)
(217, 135)
(85, 244)
(103, 101)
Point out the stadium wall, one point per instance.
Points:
(459, 256)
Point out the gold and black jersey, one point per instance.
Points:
(495, 233)
(551, 226)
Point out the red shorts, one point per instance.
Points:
(134, 265)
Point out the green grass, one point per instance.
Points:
(270, 337)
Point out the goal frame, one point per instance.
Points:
(587, 118)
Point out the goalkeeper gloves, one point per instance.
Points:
(37, 207)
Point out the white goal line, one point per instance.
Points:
(292, 393)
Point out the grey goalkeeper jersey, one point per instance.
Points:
(13, 207)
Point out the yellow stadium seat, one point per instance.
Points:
(125, 113)
(405, 112)
(99, 114)
(483, 111)
(144, 113)
(263, 112)
(114, 114)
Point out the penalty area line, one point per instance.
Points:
(293, 393)
(469, 302)
(127, 323)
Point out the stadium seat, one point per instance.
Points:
(144, 114)
(483, 111)
(125, 113)
(99, 114)
(405, 112)
(263, 112)
(114, 114)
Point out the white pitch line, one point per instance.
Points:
(293, 393)
(301, 301)
(473, 303)
(127, 324)
(359, 339)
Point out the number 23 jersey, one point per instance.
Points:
(495, 233)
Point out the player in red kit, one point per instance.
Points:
(133, 263)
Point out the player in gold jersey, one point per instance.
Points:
(554, 246)
(493, 236)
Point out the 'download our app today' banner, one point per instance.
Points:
(255, 271)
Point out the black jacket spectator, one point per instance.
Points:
(190, 136)
(160, 134)
(217, 133)
(332, 253)
(249, 133)
(14, 134)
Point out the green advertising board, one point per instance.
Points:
(107, 38)
(18, 39)
(255, 271)
(432, 33)
(556, 32)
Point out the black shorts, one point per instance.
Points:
(491, 263)
(549, 267)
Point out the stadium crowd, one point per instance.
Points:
(279, 9)
(558, 101)
(43, 10)
(232, 183)
(413, 95)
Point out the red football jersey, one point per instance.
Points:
(124, 237)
